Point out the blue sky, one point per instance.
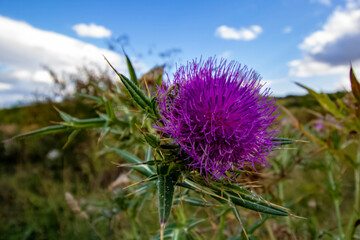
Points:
(309, 41)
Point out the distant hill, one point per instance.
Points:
(20, 119)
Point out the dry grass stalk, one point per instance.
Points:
(121, 182)
(74, 206)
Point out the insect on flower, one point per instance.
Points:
(171, 93)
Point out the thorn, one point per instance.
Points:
(128, 164)
(162, 154)
(139, 128)
(295, 216)
(128, 110)
(143, 122)
(134, 184)
(147, 88)
(162, 225)
(156, 164)
(58, 110)
(111, 66)
(243, 228)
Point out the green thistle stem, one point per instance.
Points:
(180, 215)
(335, 198)
(357, 189)
(282, 200)
(221, 227)
(133, 227)
(284, 159)
(338, 216)
(270, 231)
(357, 182)
(351, 225)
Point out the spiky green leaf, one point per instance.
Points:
(45, 130)
(283, 141)
(97, 99)
(131, 71)
(355, 85)
(241, 196)
(135, 92)
(109, 110)
(166, 187)
(86, 123)
(71, 137)
(231, 194)
(66, 117)
(193, 201)
(324, 101)
(152, 140)
(143, 168)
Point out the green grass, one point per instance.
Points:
(33, 186)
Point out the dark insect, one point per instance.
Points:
(171, 94)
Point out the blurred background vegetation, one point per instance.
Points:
(77, 192)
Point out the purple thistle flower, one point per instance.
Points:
(219, 116)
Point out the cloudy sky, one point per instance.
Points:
(308, 41)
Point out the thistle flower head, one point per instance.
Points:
(219, 115)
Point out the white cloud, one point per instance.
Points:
(330, 50)
(91, 30)
(323, 2)
(4, 86)
(344, 84)
(25, 50)
(287, 30)
(33, 76)
(308, 67)
(245, 34)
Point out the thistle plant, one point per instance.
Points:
(203, 127)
